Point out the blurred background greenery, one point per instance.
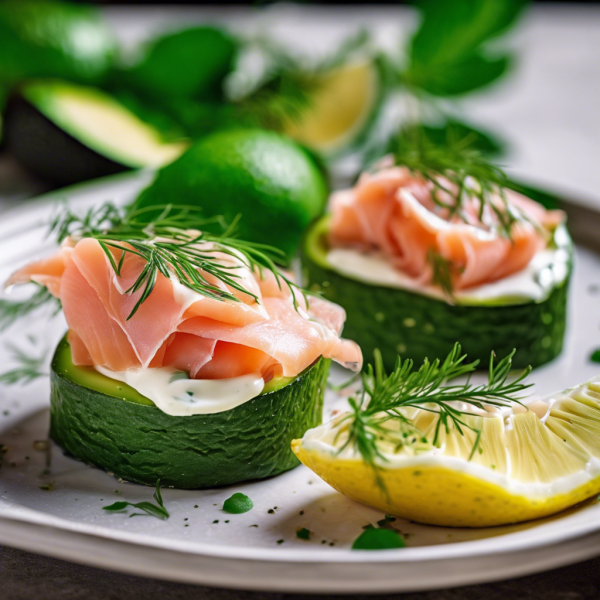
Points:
(79, 103)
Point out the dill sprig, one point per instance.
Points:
(30, 367)
(385, 400)
(172, 243)
(458, 172)
(13, 310)
(442, 271)
(149, 509)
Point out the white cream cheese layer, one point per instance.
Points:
(177, 395)
(546, 270)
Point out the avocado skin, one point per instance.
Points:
(47, 150)
(417, 327)
(141, 444)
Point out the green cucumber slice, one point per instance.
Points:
(107, 424)
(416, 326)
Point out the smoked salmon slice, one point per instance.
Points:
(393, 212)
(267, 328)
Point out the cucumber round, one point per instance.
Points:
(106, 423)
(415, 326)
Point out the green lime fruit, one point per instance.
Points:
(189, 64)
(53, 39)
(273, 183)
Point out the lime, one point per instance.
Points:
(53, 39)
(274, 184)
(188, 64)
(342, 105)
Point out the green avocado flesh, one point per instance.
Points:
(68, 133)
(415, 326)
(108, 424)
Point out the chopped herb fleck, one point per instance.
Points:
(148, 509)
(48, 487)
(301, 513)
(238, 503)
(378, 539)
(253, 526)
(215, 521)
(303, 534)
(280, 541)
(271, 511)
(595, 356)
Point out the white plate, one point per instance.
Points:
(68, 521)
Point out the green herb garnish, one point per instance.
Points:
(457, 172)
(171, 243)
(378, 539)
(238, 503)
(13, 310)
(595, 356)
(385, 398)
(303, 534)
(30, 367)
(157, 510)
(442, 272)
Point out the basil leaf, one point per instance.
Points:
(448, 55)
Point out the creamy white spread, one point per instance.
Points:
(546, 270)
(177, 395)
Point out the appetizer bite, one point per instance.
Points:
(460, 455)
(189, 358)
(435, 249)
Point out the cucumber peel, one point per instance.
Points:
(107, 424)
(417, 326)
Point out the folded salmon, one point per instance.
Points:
(394, 212)
(267, 328)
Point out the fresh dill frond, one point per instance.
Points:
(171, 243)
(149, 509)
(29, 367)
(387, 399)
(458, 172)
(13, 310)
(442, 271)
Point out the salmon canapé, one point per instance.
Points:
(268, 328)
(394, 212)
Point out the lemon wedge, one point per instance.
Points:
(529, 463)
(341, 107)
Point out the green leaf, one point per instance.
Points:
(116, 506)
(303, 534)
(448, 54)
(595, 356)
(378, 539)
(238, 503)
(462, 77)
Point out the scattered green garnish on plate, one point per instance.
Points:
(595, 356)
(238, 503)
(303, 534)
(30, 367)
(157, 510)
(378, 539)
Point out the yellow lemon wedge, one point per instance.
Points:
(340, 107)
(527, 463)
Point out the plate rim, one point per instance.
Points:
(579, 217)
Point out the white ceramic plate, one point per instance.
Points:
(242, 550)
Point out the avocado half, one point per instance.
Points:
(67, 133)
(415, 326)
(106, 423)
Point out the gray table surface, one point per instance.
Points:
(550, 113)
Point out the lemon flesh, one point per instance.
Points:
(340, 108)
(529, 464)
